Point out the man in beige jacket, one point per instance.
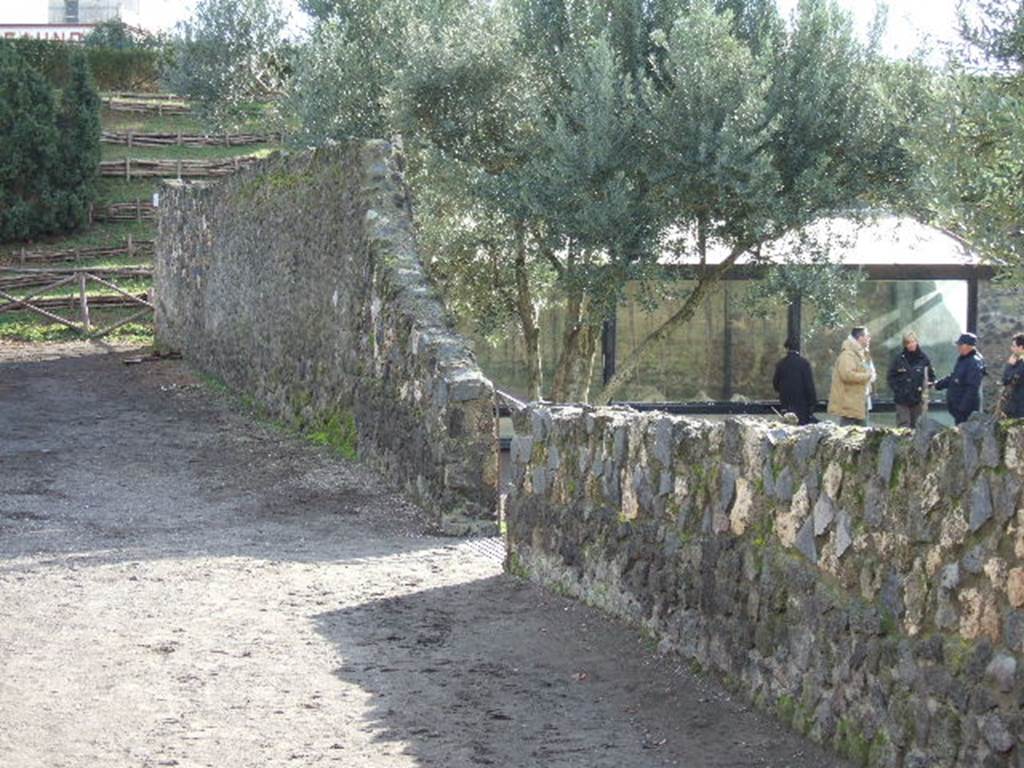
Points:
(851, 377)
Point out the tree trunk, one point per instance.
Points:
(589, 348)
(562, 389)
(527, 311)
(625, 370)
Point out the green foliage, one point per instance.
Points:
(28, 134)
(127, 69)
(339, 433)
(996, 29)
(112, 69)
(559, 148)
(48, 169)
(971, 145)
(114, 34)
(78, 148)
(229, 54)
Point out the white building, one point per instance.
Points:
(92, 11)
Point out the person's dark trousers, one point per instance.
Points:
(845, 422)
(907, 415)
(960, 418)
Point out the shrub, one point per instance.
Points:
(28, 134)
(50, 158)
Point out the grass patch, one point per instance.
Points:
(35, 329)
(97, 236)
(120, 152)
(129, 121)
(110, 189)
(338, 433)
(131, 285)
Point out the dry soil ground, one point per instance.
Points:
(183, 586)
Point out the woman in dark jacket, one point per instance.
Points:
(910, 375)
(1013, 380)
(795, 384)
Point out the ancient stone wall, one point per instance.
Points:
(298, 283)
(865, 585)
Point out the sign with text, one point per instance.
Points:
(62, 33)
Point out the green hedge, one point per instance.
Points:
(113, 69)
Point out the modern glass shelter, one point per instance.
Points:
(722, 360)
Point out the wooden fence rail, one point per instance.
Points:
(44, 306)
(137, 211)
(13, 279)
(147, 108)
(141, 95)
(170, 169)
(133, 139)
(130, 248)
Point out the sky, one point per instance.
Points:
(911, 23)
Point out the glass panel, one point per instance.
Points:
(688, 365)
(723, 353)
(936, 309)
(504, 361)
(756, 346)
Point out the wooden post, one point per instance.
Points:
(179, 169)
(138, 209)
(131, 249)
(84, 299)
(23, 257)
(128, 169)
(131, 134)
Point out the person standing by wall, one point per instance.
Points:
(852, 375)
(910, 375)
(1012, 400)
(964, 383)
(794, 382)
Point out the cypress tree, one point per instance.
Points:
(28, 149)
(78, 149)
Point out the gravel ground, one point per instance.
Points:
(183, 586)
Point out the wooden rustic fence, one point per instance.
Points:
(171, 169)
(16, 279)
(137, 211)
(129, 247)
(40, 304)
(147, 108)
(140, 96)
(133, 139)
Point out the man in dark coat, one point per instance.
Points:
(910, 375)
(964, 384)
(795, 384)
(1013, 380)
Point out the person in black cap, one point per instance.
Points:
(795, 384)
(964, 384)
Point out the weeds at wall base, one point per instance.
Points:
(338, 432)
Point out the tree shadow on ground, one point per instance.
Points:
(498, 672)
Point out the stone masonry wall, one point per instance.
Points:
(298, 283)
(865, 585)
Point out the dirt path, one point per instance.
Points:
(182, 587)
